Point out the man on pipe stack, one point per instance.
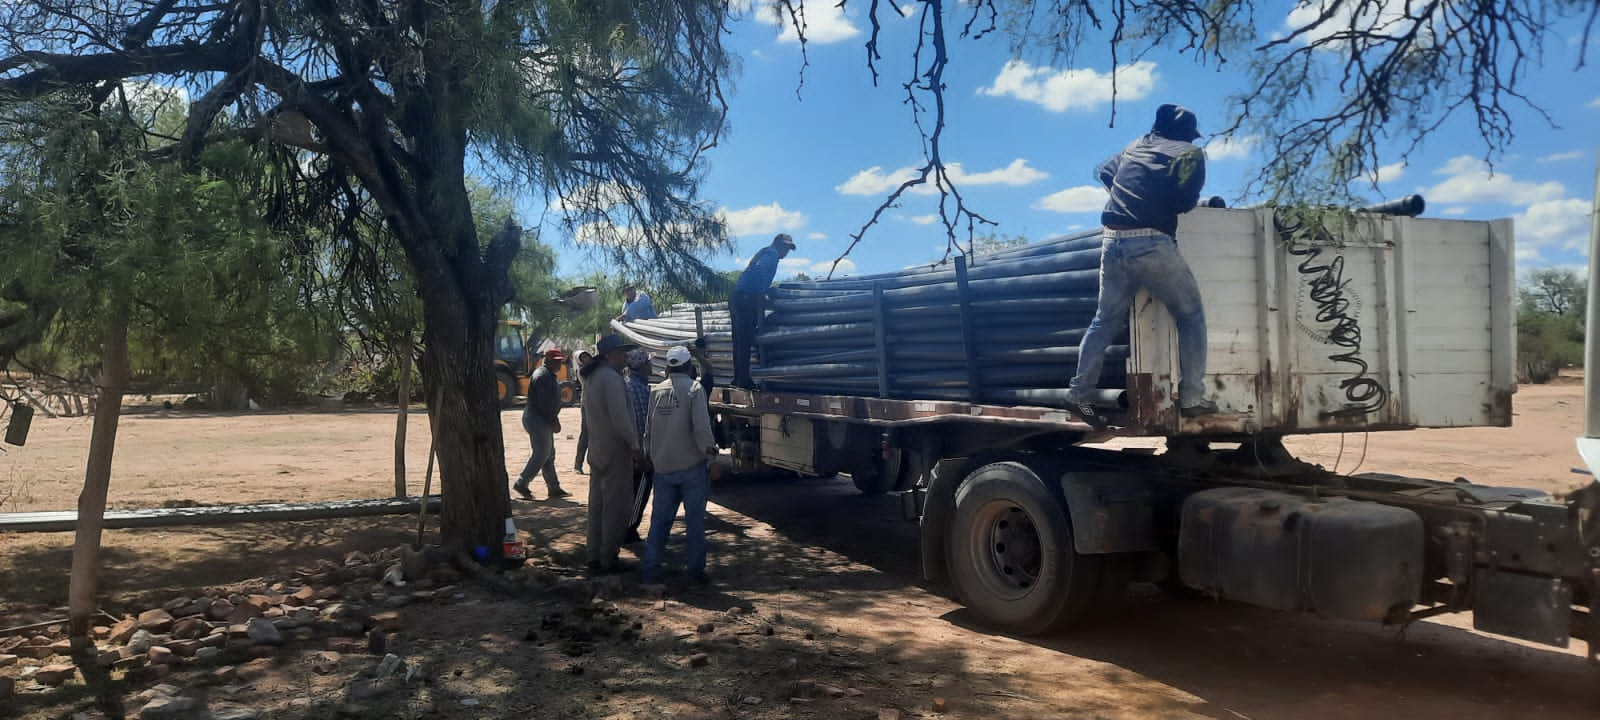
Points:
(749, 297)
(1151, 182)
(636, 305)
(614, 453)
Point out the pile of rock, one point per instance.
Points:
(349, 606)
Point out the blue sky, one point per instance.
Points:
(1026, 133)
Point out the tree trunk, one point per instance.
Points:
(458, 369)
(400, 420)
(97, 474)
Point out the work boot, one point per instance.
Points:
(521, 486)
(555, 491)
(1204, 407)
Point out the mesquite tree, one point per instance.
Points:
(606, 105)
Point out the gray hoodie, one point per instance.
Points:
(678, 428)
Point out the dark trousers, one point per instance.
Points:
(643, 482)
(745, 310)
(583, 443)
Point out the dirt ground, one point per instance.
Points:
(835, 576)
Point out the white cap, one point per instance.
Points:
(677, 356)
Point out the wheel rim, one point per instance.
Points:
(1007, 551)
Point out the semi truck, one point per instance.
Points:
(1369, 322)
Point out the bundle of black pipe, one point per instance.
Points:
(1004, 328)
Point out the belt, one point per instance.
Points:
(1135, 233)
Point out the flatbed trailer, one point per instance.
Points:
(1036, 532)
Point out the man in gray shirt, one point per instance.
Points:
(679, 440)
(542, 419)
(614, 453)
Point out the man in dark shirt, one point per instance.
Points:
(542, 419)
(746, 305)
(1151, 182)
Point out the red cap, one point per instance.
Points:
(555, 355)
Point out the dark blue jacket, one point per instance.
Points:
(1152, 182)
(758, 275)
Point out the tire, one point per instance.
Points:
(1011, 556)
(567, 393)
(505, 387)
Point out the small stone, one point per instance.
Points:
(888, 714)
(101, 632)
(191, 628)
(223, 675)
(235, 713)
(238, 630)
(242, 613)
(183, 648)
(273, 613)
(388, 621)
(239, 645)
(140, 642)
(262, 632)
(7, 660)
(704, 628)
(173, 605)
(470, 702)
(156, 621)
(122, 631)
(207, 654)
(259, 602)
(216, 639)
(198, 607)
(61, 647)
(55, 674)
(751, 700)
(131, 663)
(219, 610)
(328, 593)
(389, 665)
(303, 596)
(830, 690)
(255, 667)
(852, 692)
(940, 706)
(661, 604)
(166, 707)
(325, 663)
(160, 655)
(698, 660)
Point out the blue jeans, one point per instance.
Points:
(692, 488)
(1151, 263)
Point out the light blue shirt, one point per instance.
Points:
(639, 309)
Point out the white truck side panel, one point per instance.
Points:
(1405, 322)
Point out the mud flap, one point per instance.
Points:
(1527, 607)
(1110, 512)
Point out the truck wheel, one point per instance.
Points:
(567, 393)
(505, 387)
(1011, 555)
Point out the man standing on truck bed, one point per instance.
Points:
(749, 297)
(1151, 182)
(636, 305)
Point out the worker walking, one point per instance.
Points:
(541, 418)
(614, 452)
(678, 438)
(1151, 182)
(748, 303)
(638, 383)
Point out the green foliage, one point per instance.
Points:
(1550, 324)
(87, 225)
(995, 242)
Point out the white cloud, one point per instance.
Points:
(1561, 157)
(846, 267)
(816, 236)
(925, 219)
(1073, 88)
(825, 22)
(1384, 17)
(1595, 103)
(874, 181)
(1565, 221)
(791, 265)
(1080, 199)
(1390, 172)
(761, 220)
(1469, 181)
(1228, 148)
(1455, 211)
